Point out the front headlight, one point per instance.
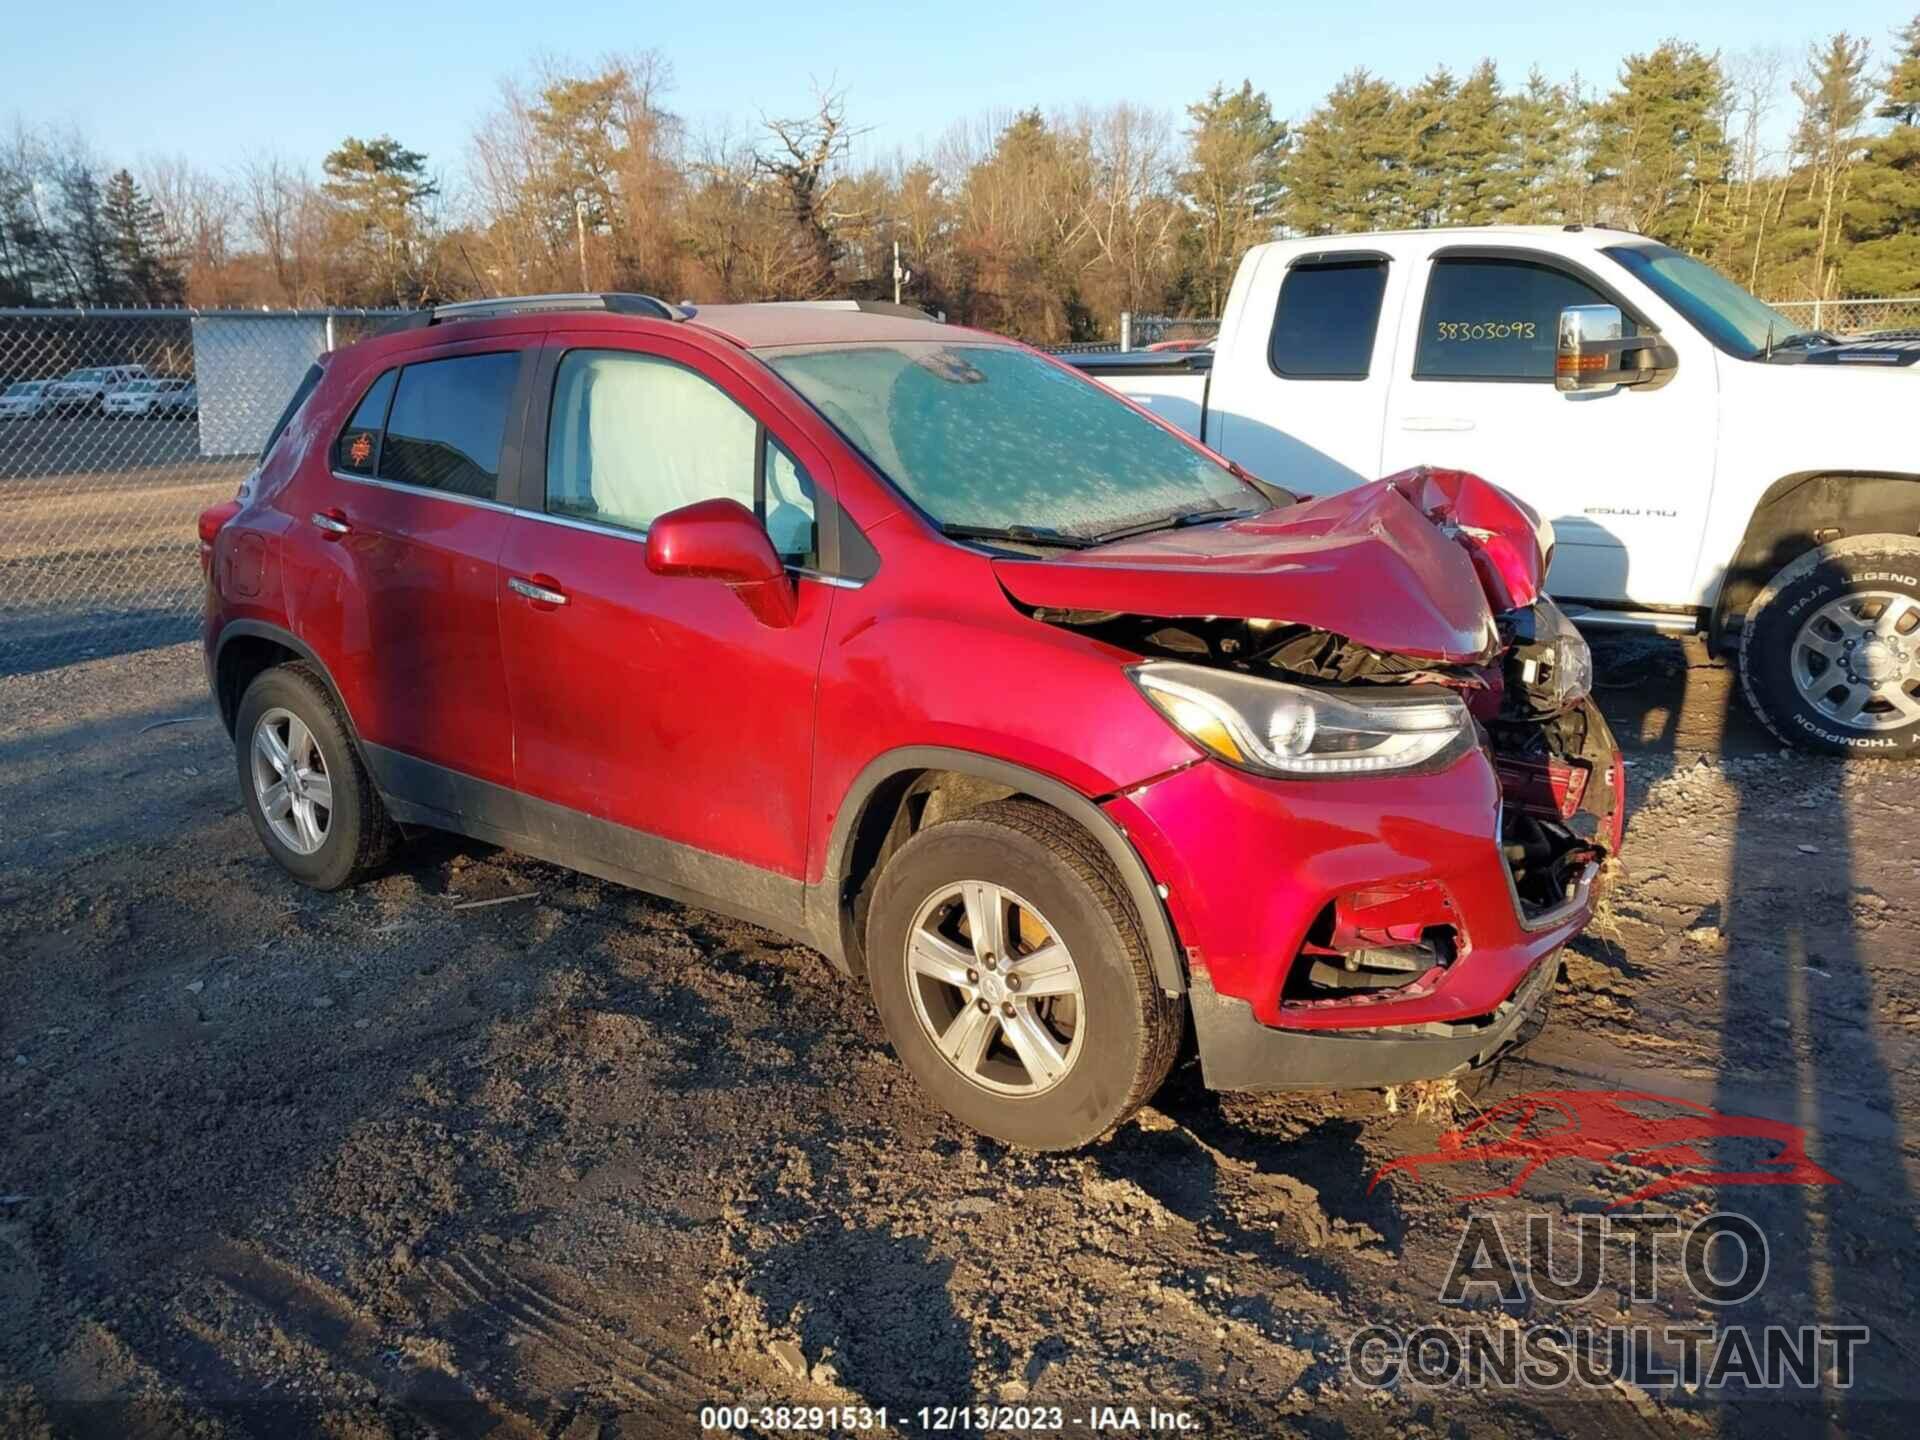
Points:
(1300, 731)
(1555, 665)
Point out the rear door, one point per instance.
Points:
(1300, 399)
(660, 707)
(1624, 476)
(402, 540)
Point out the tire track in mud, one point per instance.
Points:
(581, 1354)
(312, 1311)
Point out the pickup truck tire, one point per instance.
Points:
(1830, 652)
(1008, 967)
(289, 720)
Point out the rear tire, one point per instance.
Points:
(1064, 1057)
(288, 720)
(1830, 652)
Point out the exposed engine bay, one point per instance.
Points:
(1551, 750)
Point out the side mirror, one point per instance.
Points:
(1594, 352)
(720, 540)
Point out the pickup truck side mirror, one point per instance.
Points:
(721, 540)
(1595, 353)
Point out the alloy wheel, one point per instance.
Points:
(994, 988)
(1856, 660)
(290, 781)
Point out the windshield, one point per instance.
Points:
(991, 437)
(26, 387)
(1726, 314)
(140, 387)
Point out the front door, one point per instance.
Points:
(1625, 476)
(660, 707)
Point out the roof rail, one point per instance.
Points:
(865, 307)
(614, 302)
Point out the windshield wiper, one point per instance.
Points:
(1801, 339)
(1177, 522)
(1024, 534)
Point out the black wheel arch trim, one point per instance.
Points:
(833, 919)
(1795, 506)
(262, 630)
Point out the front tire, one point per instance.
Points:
(1009, 969)
(1830, 653)
(311, 800)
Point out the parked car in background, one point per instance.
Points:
(1707, 463)
(25, 399)
(87, 389)
(152, 398)
(1044, 723)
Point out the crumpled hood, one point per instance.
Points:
(1403, 565)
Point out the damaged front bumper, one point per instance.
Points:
(1271, 882)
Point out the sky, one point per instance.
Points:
(219, 81)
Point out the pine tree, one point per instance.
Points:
(377, 191)
(1902, 98)
(1834, 100)
(1233, 184)
(1348, 167)
(1884, 258)
(1429, 169)
(83, 238)
(1542, 144)
(143, 275)
(1659, 145)
(1479, 150)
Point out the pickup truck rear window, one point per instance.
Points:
(1324, 325)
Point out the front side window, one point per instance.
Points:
(992, 437)
(1495, 319)
(634, 436)
(1324, 325)
(447, 422)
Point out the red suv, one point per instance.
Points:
(914, 644)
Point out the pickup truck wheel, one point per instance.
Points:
(310, 799)
(1830, 653)
(1009, 970)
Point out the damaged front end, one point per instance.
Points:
(1287, 700)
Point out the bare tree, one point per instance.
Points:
(805, 159)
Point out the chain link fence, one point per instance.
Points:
(117, 427)
(1854, 317)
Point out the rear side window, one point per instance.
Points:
(1495, 319)
(300, 394)
(1324, 325)
(446, 424)
(357, 450)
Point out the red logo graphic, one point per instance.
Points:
(1629, 1129)
(361, 449)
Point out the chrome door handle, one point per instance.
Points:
(532, 591)
(332, 524)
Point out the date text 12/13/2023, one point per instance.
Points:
(949, 1419)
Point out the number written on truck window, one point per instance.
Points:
(1324, 325)
(1495, 319)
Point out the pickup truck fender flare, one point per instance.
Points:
(1805, 509)
(859, 828)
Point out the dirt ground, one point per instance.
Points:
(580, 1163)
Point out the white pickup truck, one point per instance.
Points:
(1707, 463)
